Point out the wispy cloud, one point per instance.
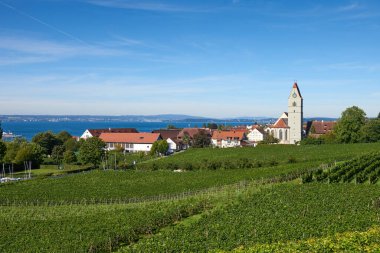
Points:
(143, 5)
(21, 50)
(349, 7)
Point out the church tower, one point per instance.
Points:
(295, 115)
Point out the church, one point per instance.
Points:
(288, 128)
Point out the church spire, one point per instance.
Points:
(295, 86)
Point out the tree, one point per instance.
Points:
(12, 149)
(270, 139)
(201, 140)
(170, 126)
(64, 136)
(378, 116)
(91, 151)
(47, 140)
(212, 126)
(159, 147)
(349, 125)
(3, 150)
(29, 152)
(72, 144)
(1, 131)
(57, 153)
(69, 157)
(370, 132)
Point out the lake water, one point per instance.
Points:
(76, 128)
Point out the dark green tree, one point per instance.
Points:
(1, 131)
(370, 132)
(47, 140)
(170, 126)
(71, 144)
(12, 149)
(29, 152)
(57, 153)
(92, 151)
(212, 126)
(348, 128)
(64, 136)
(201, 140)
(159, 147)
(69, 157)
(378, 116)
(3, 150)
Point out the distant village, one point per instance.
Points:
(288, 129)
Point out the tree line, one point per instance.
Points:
(352, 127)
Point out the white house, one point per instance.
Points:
(227, 139)
(97, 132)
(171, 137)
(130, 142)
(255, 135)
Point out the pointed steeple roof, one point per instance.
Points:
(295, 86)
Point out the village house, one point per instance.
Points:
(171, 137)
(316, 128)
(130, 142)
(256, 134)
(227, 139)
(97, 132)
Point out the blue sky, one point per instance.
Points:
(221, 58)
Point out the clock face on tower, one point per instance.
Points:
(294, 95)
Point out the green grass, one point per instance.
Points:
(283, 213)
(102, 185)
(265, 155)
(87, 228)
(52, 170)
(368, 241)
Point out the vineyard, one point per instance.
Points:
(100, 186)
(261, 156)
(365, 168)
(282, 213)
(259, 205)
(367, 241)
(87, 228)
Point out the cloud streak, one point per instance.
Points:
(143, 5)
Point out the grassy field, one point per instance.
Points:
(232, 218)
(282, 213)
(261, 156)
(87, 228)
(102, 185)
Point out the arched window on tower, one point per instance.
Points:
(280, 134)
(294, 104)
(286, 134)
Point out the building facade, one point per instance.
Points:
(288, 129)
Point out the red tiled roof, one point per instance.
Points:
(295, 86)
(142, 138)
(97, 132)
(322, 127)
(224, 135)
(281, 123)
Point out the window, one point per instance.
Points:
(294, 104)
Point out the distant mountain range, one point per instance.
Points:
(142, 118)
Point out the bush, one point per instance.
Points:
(307, 178)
